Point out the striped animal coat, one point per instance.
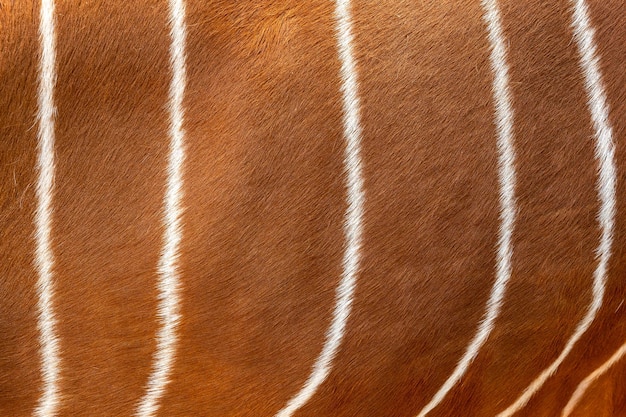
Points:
(317, 208)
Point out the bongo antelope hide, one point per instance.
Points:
(321, 208)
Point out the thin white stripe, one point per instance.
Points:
(354, 214)
(586, 383)
(168, 268)
(604, 149)
(506, 176)
(44, 258)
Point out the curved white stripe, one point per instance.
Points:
(586, 383)
(44, 259)
(168, 269)
(353, 217)
(604, 149)
(506, 174)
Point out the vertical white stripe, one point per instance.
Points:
(44, 259)
(168, 268)
(586, 383)
(604, 150)
(354, 214)
(506, 176)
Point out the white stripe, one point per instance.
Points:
(583, 386)
(44, 259)
(353, 217)
(604, 149)
(168, 268)
(506, 176)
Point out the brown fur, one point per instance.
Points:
(265, 199)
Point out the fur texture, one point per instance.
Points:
(264, 202)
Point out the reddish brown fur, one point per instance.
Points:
(265, 198)
(19, 350)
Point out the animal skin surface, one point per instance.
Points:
(313, 208)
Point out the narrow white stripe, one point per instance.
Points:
(168, 268)
(583, 386)
(354, 213)
(44, 259)
(506, 176)
(604, 149)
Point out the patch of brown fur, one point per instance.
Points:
(265, 198)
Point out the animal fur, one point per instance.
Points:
(265, 202)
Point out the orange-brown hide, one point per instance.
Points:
(265, 197)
